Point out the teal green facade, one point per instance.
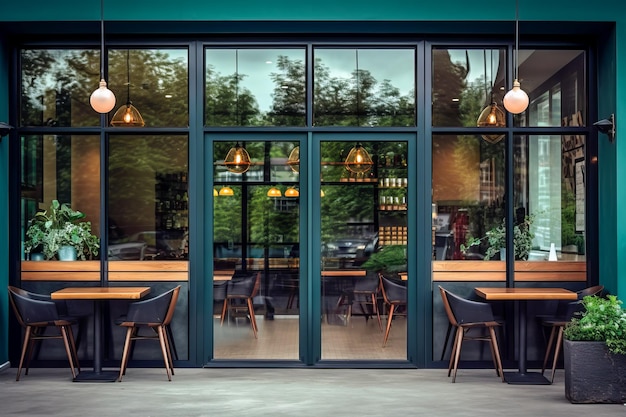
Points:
(351, 16)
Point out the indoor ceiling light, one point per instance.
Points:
(237, 160)
(358, 160)
(102, 99)
(294, 159)
(292, 192)
(516, 100)
(127, 115)
(274, 192)
(492, 115)
(226, 192)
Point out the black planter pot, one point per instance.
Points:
(593, 374)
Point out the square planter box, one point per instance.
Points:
(593, 374)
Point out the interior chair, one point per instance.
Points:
(365, 293)
(394, 297)
(156, 314)
(470, 319)
(565, 311)
(239, 296)
(36, 313)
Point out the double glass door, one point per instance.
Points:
(353, 219)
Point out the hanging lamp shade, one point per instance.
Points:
(294, 159)
(292, 192)
(237, 160)
(358, 160)
(226, 192)
(274, 192)
(492, 116)
(127, 116)
(322, 194)
(215, 193)
(102, 99)
(516, 100)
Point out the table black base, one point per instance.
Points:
(528, 378)
(91, 376)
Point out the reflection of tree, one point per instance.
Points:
(228, 103)
(448, 84)
(288, 107)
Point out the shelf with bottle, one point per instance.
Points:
(392, 235)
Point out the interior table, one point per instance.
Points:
(99, 295)
(522, 295)
(333, 283)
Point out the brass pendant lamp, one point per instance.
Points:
(127, 115)
(358, 160)
(237, 160)
(294, 159)
(491, 115)
(102, 99)
(274, 192)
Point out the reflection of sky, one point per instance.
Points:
(256, 64)
(397, 65)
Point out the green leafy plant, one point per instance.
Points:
(496, 239)
(389, 258)
(603, 320)
(60, 226)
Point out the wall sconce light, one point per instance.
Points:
(607, 126)
(4, 129)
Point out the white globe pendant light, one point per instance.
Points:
(102, 99)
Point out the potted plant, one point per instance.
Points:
(496, 240)
(390, 259)
(52, 231)
(594, 353)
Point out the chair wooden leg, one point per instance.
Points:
(548, 349)
(375, 307)
(68, 349)
(389, 318)
(169, 349)
(224, 310)
(25, 345)
(557, 350)
(127, 342)
(460, 333)
(70, 333)
(171, 344)
(452, 354)
(35, 333)
(162, 337)
(252, 317)
(496, 353)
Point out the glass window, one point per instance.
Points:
(352, 88)
(256, 247)
(555, 83)
(65, 168)
(468, 197)
(465, 82)
(255, 87)
(148, 205)
(156, 81)
(56, 85)
(363, 233)
(550, 190)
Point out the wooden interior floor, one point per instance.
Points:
(278, 339)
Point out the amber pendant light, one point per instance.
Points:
(491, 115)
(127, 115)
(358, 160)
(294, 159)
(237, 160)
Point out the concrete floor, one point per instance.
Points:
(288, 392)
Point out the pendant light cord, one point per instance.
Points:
(101, 39)
(128, 75)
(516, 39)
